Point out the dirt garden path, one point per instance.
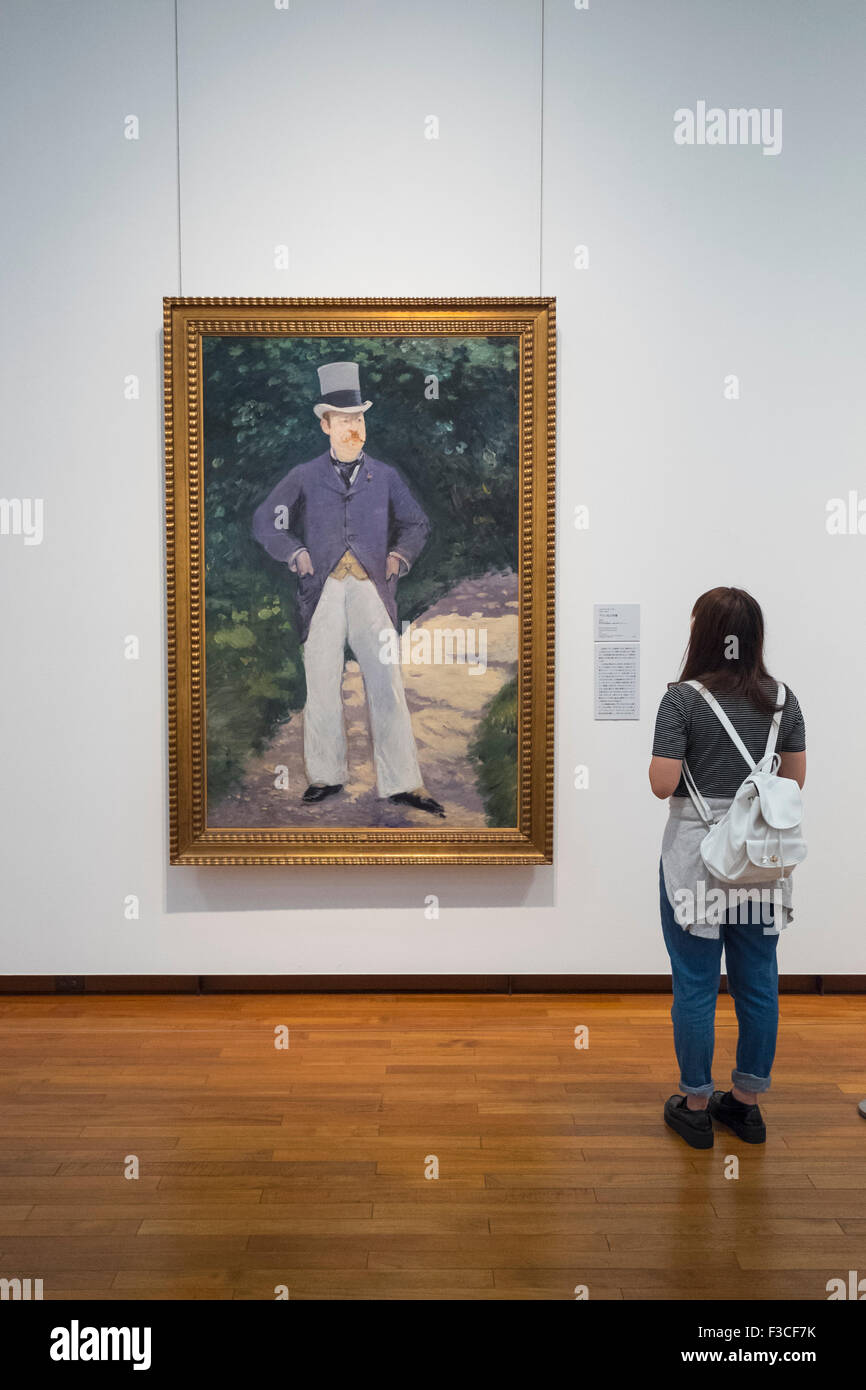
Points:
(446, 703)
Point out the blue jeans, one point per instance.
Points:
(753, 980)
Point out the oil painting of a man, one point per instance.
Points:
(360, 521)
(347, 525)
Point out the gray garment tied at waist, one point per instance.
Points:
(685, 874)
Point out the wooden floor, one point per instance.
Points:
(262, 1167)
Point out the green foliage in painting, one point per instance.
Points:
(495, 750)
(445, 412)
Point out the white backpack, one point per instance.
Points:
(759, 838)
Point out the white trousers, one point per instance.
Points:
(351, 609)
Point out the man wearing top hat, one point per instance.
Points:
(349, 527)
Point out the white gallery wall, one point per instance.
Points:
(304, 126)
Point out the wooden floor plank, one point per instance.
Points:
(306, 1167)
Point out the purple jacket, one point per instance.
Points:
(311, 508)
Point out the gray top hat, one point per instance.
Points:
(340, 388)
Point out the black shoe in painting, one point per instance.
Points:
(420, 801)
(695, 1126)
(316, 792)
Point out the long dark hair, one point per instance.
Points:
(726, 647)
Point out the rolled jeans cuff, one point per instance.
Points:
(706, 1090)
(746, 1082)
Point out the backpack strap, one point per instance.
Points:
(781, 697)
(723, 719)
(700, 805)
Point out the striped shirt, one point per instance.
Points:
(686, 727)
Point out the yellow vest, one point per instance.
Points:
(349, 564)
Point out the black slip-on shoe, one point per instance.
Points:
(317, 792)
(695, 1126)
(419, 802)
(747, 1122)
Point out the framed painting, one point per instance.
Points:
(360, 586)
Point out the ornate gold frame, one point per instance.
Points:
(186, 320)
